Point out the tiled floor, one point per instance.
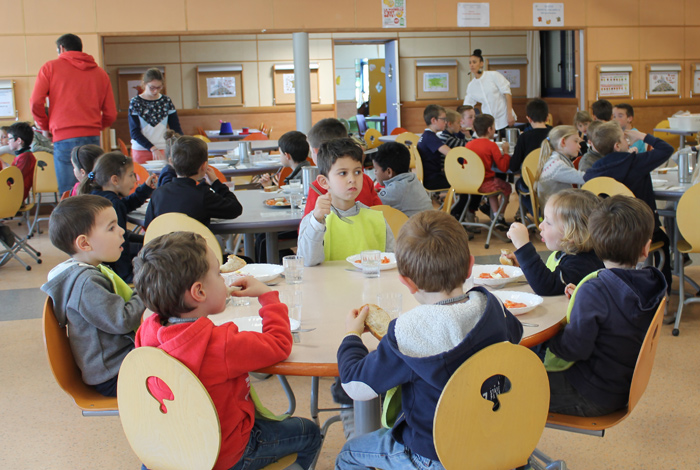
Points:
(41, 428)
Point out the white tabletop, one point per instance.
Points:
(220, 148)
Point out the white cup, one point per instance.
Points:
(371, 260)
(293, 269)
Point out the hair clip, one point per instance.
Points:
(91, 175)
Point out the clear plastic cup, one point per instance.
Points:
(371, 260)
(295, 200)
(391, 302)
(293, 269)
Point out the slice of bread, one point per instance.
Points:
(377, 320)
(504, 258)
(233, 264)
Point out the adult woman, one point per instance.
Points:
(150, 115)
(492, 90)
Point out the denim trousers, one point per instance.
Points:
(64, 167)
(379, 449)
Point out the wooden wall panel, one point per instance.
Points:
(670, 12)
(58, 17)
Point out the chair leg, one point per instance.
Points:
(493, 221)
(11, 252)
(681, 298)
(540, 461)
(314, 416)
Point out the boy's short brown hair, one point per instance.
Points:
(432, 250)
(432, 111)
(325, 130)
(572, 208)
(332, 150)
(166, 267)
(620, 229)
(482, 123)
(582, 117)
(73, 217)
(188, 155)
(606, 136)
(452, 116)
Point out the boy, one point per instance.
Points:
(323, 131)
(178, 277)
(623, 113)
(326, 233)
(4, 144)
(536, 111)
(583, 119)
(98, 308)
(424, 346)
(602, 110)
(401, 189)
(632, 170)
(485, 128)
(200, 201)
(468, 114)
(19, 137)
(294, 151)
(610, 316)
(452, 136)
(592, 155)
(432, 150)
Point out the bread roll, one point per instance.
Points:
(232, 289)
(233, 264)
(377, 321)
(504, 258)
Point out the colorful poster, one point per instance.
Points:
(548, 15)
(473, 15)
(221, 87)
(393, 13)
(513, 76)
(696, 82)
(614, 84)
(663, 83)
(7, 102)
(436, 82)
(288, 83)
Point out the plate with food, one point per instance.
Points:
(494, 275)
(658, 182)
(518, 302)
(388, 261)
(277, 203)
(255, 324)
(237, 267)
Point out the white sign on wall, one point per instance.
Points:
(513, 76)
(548, 15)
(393, 13)
(473, 15)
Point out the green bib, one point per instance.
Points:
(391, 408)
(367, 232)
(121, 288)
(261, 411)
(553, 261)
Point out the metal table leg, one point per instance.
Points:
(367, 416)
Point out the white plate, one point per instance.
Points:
(255, 324)
(266, 163)
(356, 260)
(261, 272)
(514, 272)
(221, 166)
(531, 300)
(658, 182)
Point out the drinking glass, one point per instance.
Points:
(295, 203)
(293, 268)
(292, 297)
(371, 260)
(391, 302)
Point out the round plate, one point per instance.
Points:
(531, 300)
(255, 324)
(513, 272)
(657, 182)
(356, 260)
(286, 204)
(261, 272)
(221, 166)
(267, 163)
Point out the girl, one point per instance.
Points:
(83, 158)
(565, 231)
(555, 171)
(150, 114)
(113, 177)
(168, 173)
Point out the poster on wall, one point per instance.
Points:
(436, 82)
(393, 13)
(663, 83)
(221, 87)
(288, 83)
(548, 15)
(473, 15)
(614, 84)
(7, 102)
(513, 76)
(696, 82)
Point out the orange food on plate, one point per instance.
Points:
(502, 273)
(485, 276)
(386, 260)
(497, 274)
(511, 304)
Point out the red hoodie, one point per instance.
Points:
(81, 102)
(221, 357)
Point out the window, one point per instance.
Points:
(557, 56)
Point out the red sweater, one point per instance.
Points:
(368, 196)
(221, 357)
(26, 162)
(80, 96)
(489, 154)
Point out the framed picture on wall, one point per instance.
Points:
(695, 87)
(515, 70)
(283, 83)
(219, 85)
(664, 80)
(129, 84)
(436, 79)
(614, 81)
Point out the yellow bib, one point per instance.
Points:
(552, 261)
(367, 232)
(121, 288)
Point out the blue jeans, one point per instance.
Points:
(380, 450)
(61, 156)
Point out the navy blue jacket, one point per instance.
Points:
(608, 322)
(167, 174)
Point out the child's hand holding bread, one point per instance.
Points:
(508, 258)
(370, 318)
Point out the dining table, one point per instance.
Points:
(237, 134)
(222, 147)
(229, 169)
(682, 134)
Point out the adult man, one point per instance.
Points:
(80, 100)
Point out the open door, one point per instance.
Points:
(393, 99)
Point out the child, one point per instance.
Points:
(200, 201)
(610, 316)
(623, 113)
(602, 110)
(83, 158)
(565, 232)
(19, 138)
(4, 144)
(323, 234)
(424, 346)
(592, 155)
(452, 135)
(323, 131)
(178, 277)
(582, 119)
(556, 170)
(113, 178)
(432, 150)
(537, 111)
(294, 151)
(401, 189)
(167, 174)
(485, 128)
(98, 308)
(468, 114)
(633, 170)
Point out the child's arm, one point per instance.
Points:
(142, 193)
(647, 161)
(452, 140)
(541, 279)
(105, 310)
(310, 241)
(136, 134)
(563, 173)
(221, 203)
(502, 160)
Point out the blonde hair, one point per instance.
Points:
(551, 144)
(571, 208)
(452, 116)
(606, 136)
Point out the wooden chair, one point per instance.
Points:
(410, 140)
(596, 426)
(8, 158)
(372, 138)
(671, 139)
(256, 136)
(465, 173)
(361, 124)
(122, 147)
(470, 428)
(202, 137)
(200, 130)
(44, 182)
(11, 194)
(66, 371)
(394, 217)
(174, 222)
(529, 179)
(449, 201)
(577, 161)
(182, 433)
(283, 173)
(604, 185)
(398, 130)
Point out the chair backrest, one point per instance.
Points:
(577, 161)
(417, 163)
(410, 140)
(361, 124)
(256, 136)
(372, 138)
(142, 175)
(11, 191)
(607, 185)
(686, 216)
(529, 179)
(449, 200)
(645, 361)
(65, 195)
(470, 428)
(394, 217)
(671, 139)
(220, 176)
(346, 123)
(398, 130)
(284, 172)
(179, 431)
(44, 174)
(531, 161)
(175, 222)
(8, 158)
(64, 368)
(122, 147)
(464, 170)
(202, 137)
